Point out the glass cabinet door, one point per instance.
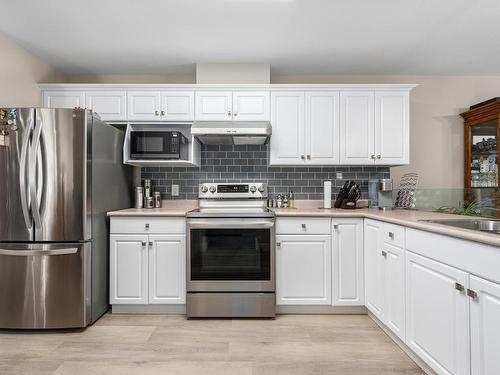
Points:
(484, 155)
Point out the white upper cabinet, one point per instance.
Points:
(251, 105)
(64, 99)
(347, 262)
(437, 325)
(144, 105)
(303, 270)
(322, 128)
(214, 105)
(357, 144)
(485, 327)
(110, 105)
(287, 121)
(177, 106)
(392, 127)
(305, 128)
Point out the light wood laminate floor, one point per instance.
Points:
(162, 344)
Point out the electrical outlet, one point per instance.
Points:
(338, 175)
(175, 190)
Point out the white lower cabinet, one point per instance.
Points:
(303, 270)
(129, 269)
(374, 268)
(347, 262)
(437, 314)
(485, 326)
(147, 268)
(167, 269)
(394, 289)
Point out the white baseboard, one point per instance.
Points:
(148, 309)
(320, 309)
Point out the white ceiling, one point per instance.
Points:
(295, 36)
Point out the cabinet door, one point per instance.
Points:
(347, 262)
(437, 324)
(110, 105)
(287, 121)
(322, 128)
(485, 327)
(394, 289)
(374, 268)
(177, 105)
(143, 105)
(303, 270)
(357, 127)
(214, 105)
(251, 105)
(167, 269)
(128, 269)
(64, 99)
(392, 127)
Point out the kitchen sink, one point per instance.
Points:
(486, 225)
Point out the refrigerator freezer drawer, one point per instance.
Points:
(45, 285)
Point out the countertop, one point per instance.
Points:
(407, 218)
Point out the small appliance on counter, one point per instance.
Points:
(385, 201)
(348, 195)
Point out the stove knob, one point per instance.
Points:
(204, 188)
(262, 188)
(212, 189)
(253, 189)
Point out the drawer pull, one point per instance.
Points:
(278, 244)
(472, 294)
(303, 226)
(146, 226)
(384, 253)
(335, 227)
(143, 243)
(150, 244)
(391, 235)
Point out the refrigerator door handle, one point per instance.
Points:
(35, 147)
(24, 173)
(27, 253)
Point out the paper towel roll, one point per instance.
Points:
(327, 194)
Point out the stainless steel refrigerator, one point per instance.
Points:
(60, 173)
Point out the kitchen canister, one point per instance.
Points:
(157, 198)
(327, 194)
(139, 197)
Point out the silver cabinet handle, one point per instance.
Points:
(302, 157)
(378, 157)
(143, 243)
(384, 253)
(229, 113)
(303, 226)
(163, 113)
(26, 253)
(335, 227)
(235, 114)
(278, 244)
(157, 113)
(308, 157)
(472, 294)
(391, 235)
(150, 244)
(373, 156)
(146, 226)
(459, 287)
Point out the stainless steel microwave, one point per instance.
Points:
(157, 145)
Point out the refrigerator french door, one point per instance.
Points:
(52, 233)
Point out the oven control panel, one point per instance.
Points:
(236, 190)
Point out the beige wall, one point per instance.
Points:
(233, 73)
(20, 73)
(131, 78)
(436, 129)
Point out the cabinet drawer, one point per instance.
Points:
(305, 225)
(394, 234)
(148, 225)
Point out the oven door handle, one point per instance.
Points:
(229, 224)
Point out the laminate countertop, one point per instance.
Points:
(407, 218)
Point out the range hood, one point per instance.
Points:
(232, 132)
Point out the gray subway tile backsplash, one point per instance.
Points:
(249, 163)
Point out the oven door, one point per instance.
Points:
(152, 145)
(230, 255)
